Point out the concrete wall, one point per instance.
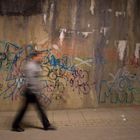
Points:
(117, 52)
(91, 51)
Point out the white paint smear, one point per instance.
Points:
(124, 119)
(107, 41)
(45, 18)
(85, 34)
(36, 47)
(92, 7)
(121, 48)
(104, 30)
(55, 47)
(137, 50)
(119, 13)
(62, 36)
(110, 10)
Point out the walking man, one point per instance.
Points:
(32, 90)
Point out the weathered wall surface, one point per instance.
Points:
(68, 64)
(91, 51)
(117, 52)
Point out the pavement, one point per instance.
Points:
(109, 123)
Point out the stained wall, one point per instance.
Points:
(90, 47)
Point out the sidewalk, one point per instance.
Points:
(116, 123)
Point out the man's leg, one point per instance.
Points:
(18, 118)
(44, 118)
(42, 114)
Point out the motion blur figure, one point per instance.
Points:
(32, 90)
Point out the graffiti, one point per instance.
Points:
(135, 62)
(61, 75)
(119, 90)
(84, 62)
(7, 55)
(62, 63)
(79, 81)
(57, 75)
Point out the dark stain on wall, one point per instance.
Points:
(137, 20)
(21, 7)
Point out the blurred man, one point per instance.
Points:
(32, 90)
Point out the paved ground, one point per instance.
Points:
(116, 123)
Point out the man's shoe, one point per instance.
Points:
(50, 127)
(18, 129)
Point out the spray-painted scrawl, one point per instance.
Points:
(57, 73)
